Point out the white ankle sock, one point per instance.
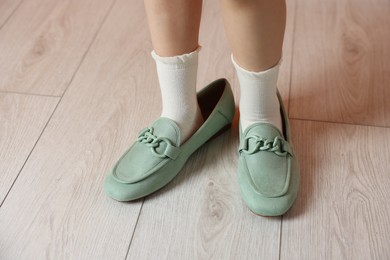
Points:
(177, 77)
(258, 101)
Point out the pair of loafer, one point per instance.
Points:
(268, 178)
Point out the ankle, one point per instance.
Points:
(275, 121)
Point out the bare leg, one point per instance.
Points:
(255, 29)
(174, 25)
(174, 29)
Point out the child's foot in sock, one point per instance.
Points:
(177, 77)
(258, 101)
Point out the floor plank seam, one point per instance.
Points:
(28, 156)
(28, 94)
(11, 14)
(135, 227)
(341, 123)
(280, 237)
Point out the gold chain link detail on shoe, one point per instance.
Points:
(278, 146)
(147, 137)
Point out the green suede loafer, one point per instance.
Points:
(157, 157)
(268, 172)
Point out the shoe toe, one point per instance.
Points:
(120, 191)
(272, 178)
(263, 204)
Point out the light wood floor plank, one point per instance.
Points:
(22, 120)
(7, 7)
(341, 66)
(342, 211)
(57, 208)
(44, 42)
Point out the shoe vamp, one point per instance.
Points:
(268, 171)
(139, 162)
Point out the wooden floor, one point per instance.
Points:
(74, 76)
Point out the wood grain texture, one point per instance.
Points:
(342, 211)
(57, 208)
(22, 120)
(342, 62)
(44, 42)
(7, 8)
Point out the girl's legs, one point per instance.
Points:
(174, 27)
(255, 29)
